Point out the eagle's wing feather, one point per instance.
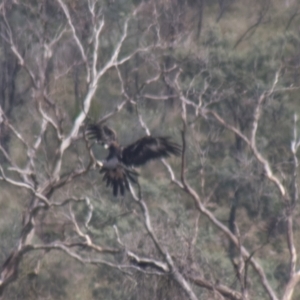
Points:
(100, 133)
(148, 148)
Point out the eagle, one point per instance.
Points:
(118, 167)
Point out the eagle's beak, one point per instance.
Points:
(99, 163)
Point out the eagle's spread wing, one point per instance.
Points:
(118, 178)
(148, 148)
(100, 133)
(117, 166)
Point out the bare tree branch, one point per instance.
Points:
(294, 276)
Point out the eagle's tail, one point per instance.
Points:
(119, 178)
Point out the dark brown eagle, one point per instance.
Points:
(118, 165)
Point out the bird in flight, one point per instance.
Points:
(118, 167)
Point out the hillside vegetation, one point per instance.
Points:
(220, 78)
